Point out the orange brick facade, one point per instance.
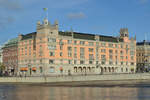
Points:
(52, 52)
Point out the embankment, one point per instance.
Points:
(81, 80)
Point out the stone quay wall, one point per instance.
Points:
(59, 79)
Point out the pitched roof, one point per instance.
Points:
(88, 36)
(143, 43)
(29, 36)
(109, 39)
(11, 42)
(85, 36)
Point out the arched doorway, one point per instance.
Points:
(93, 69)
(80, 69)
(113, 69)
(89, 69)
(105, 69)
(75, 70)
(84, 70)
(109, 69)
(102, 70)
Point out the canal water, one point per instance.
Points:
(45, 92)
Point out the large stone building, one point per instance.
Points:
(10, 56)
(143, 56)
(49, 51)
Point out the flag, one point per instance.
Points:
(45, 9)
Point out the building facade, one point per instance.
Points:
(49, 51)
(10, 56)
(143, 56)
(1, 56)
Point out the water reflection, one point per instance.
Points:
(30, 92)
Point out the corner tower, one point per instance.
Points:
(45, 27)
(124, 32)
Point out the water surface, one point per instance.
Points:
(45, 92)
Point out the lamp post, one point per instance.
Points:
(30, 70)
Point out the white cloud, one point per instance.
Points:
(7, 7)
(10, 4)
(76, 15)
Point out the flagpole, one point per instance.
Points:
(46, 10)
(47, 14)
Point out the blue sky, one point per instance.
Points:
(104, 17)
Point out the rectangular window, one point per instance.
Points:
(52, 47)
(52, 54)
(110, 45)
(132, 63)
(116, 62)
(61, 42)
(81, 50)
(75, 49)
(121, 63)
(61, 54)
(110, 57)
(82, 42)
(121, 52)
(40, 60)
(91, 49)
(103, 62)
(30, 42)
(69, 54)
(61, 47)
(82, 56)
(69, 48)
(91, 56)
(132, 53)
(132, 57)
(116, 57)
(110, 51)
(69, 61)
(81, 61)
(103, 50)
(90, 62)
(91, 43)
(75, 55)
(69, 41)
(103, 57)
(51, 40)
(75, 42)
(51, 61)
(51, 70)
(75, 61)
(126, 46)
(121, 46)
(110, 63)
(97, 62)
